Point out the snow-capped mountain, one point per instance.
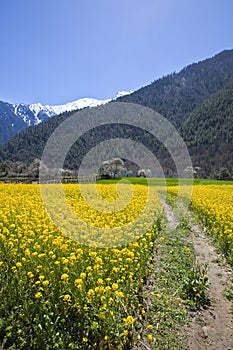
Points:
(51, 111)
(36, 113)
(15, 117)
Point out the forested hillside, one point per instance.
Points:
(198, 101)
(178, 94)
(29, 143)
(208, 132)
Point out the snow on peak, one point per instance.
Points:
(78, 104)
(36, 108)
(123, 93)
(51, 111)
(35, 113)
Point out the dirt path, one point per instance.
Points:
(211, 328)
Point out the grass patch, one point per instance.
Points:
(169, 181)
(176, 286)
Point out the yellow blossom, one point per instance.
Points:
(67, 298)
(150, 338)
(45, 283)
(30, 274)
(65, 277)
(38, 295)
(115, 286)
(129, 320)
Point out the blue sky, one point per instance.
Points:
(57, 51)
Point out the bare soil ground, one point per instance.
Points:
(210, 328)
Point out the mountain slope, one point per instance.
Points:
(177, 95)
(208, 132)
(28, 144)
(16, 117)
(10, 123)
(197, 96)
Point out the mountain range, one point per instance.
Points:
(16, 117)
(198, 100)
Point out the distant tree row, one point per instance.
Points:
(9, 169)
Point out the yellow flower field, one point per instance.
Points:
(214, 206)
(59, 294)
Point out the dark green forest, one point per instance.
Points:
(208, 132)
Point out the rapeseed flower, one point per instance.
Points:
(129, 321)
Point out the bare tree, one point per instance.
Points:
(144, 173)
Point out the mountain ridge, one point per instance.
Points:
(16, 117)
(187, 99)
(177, 94)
